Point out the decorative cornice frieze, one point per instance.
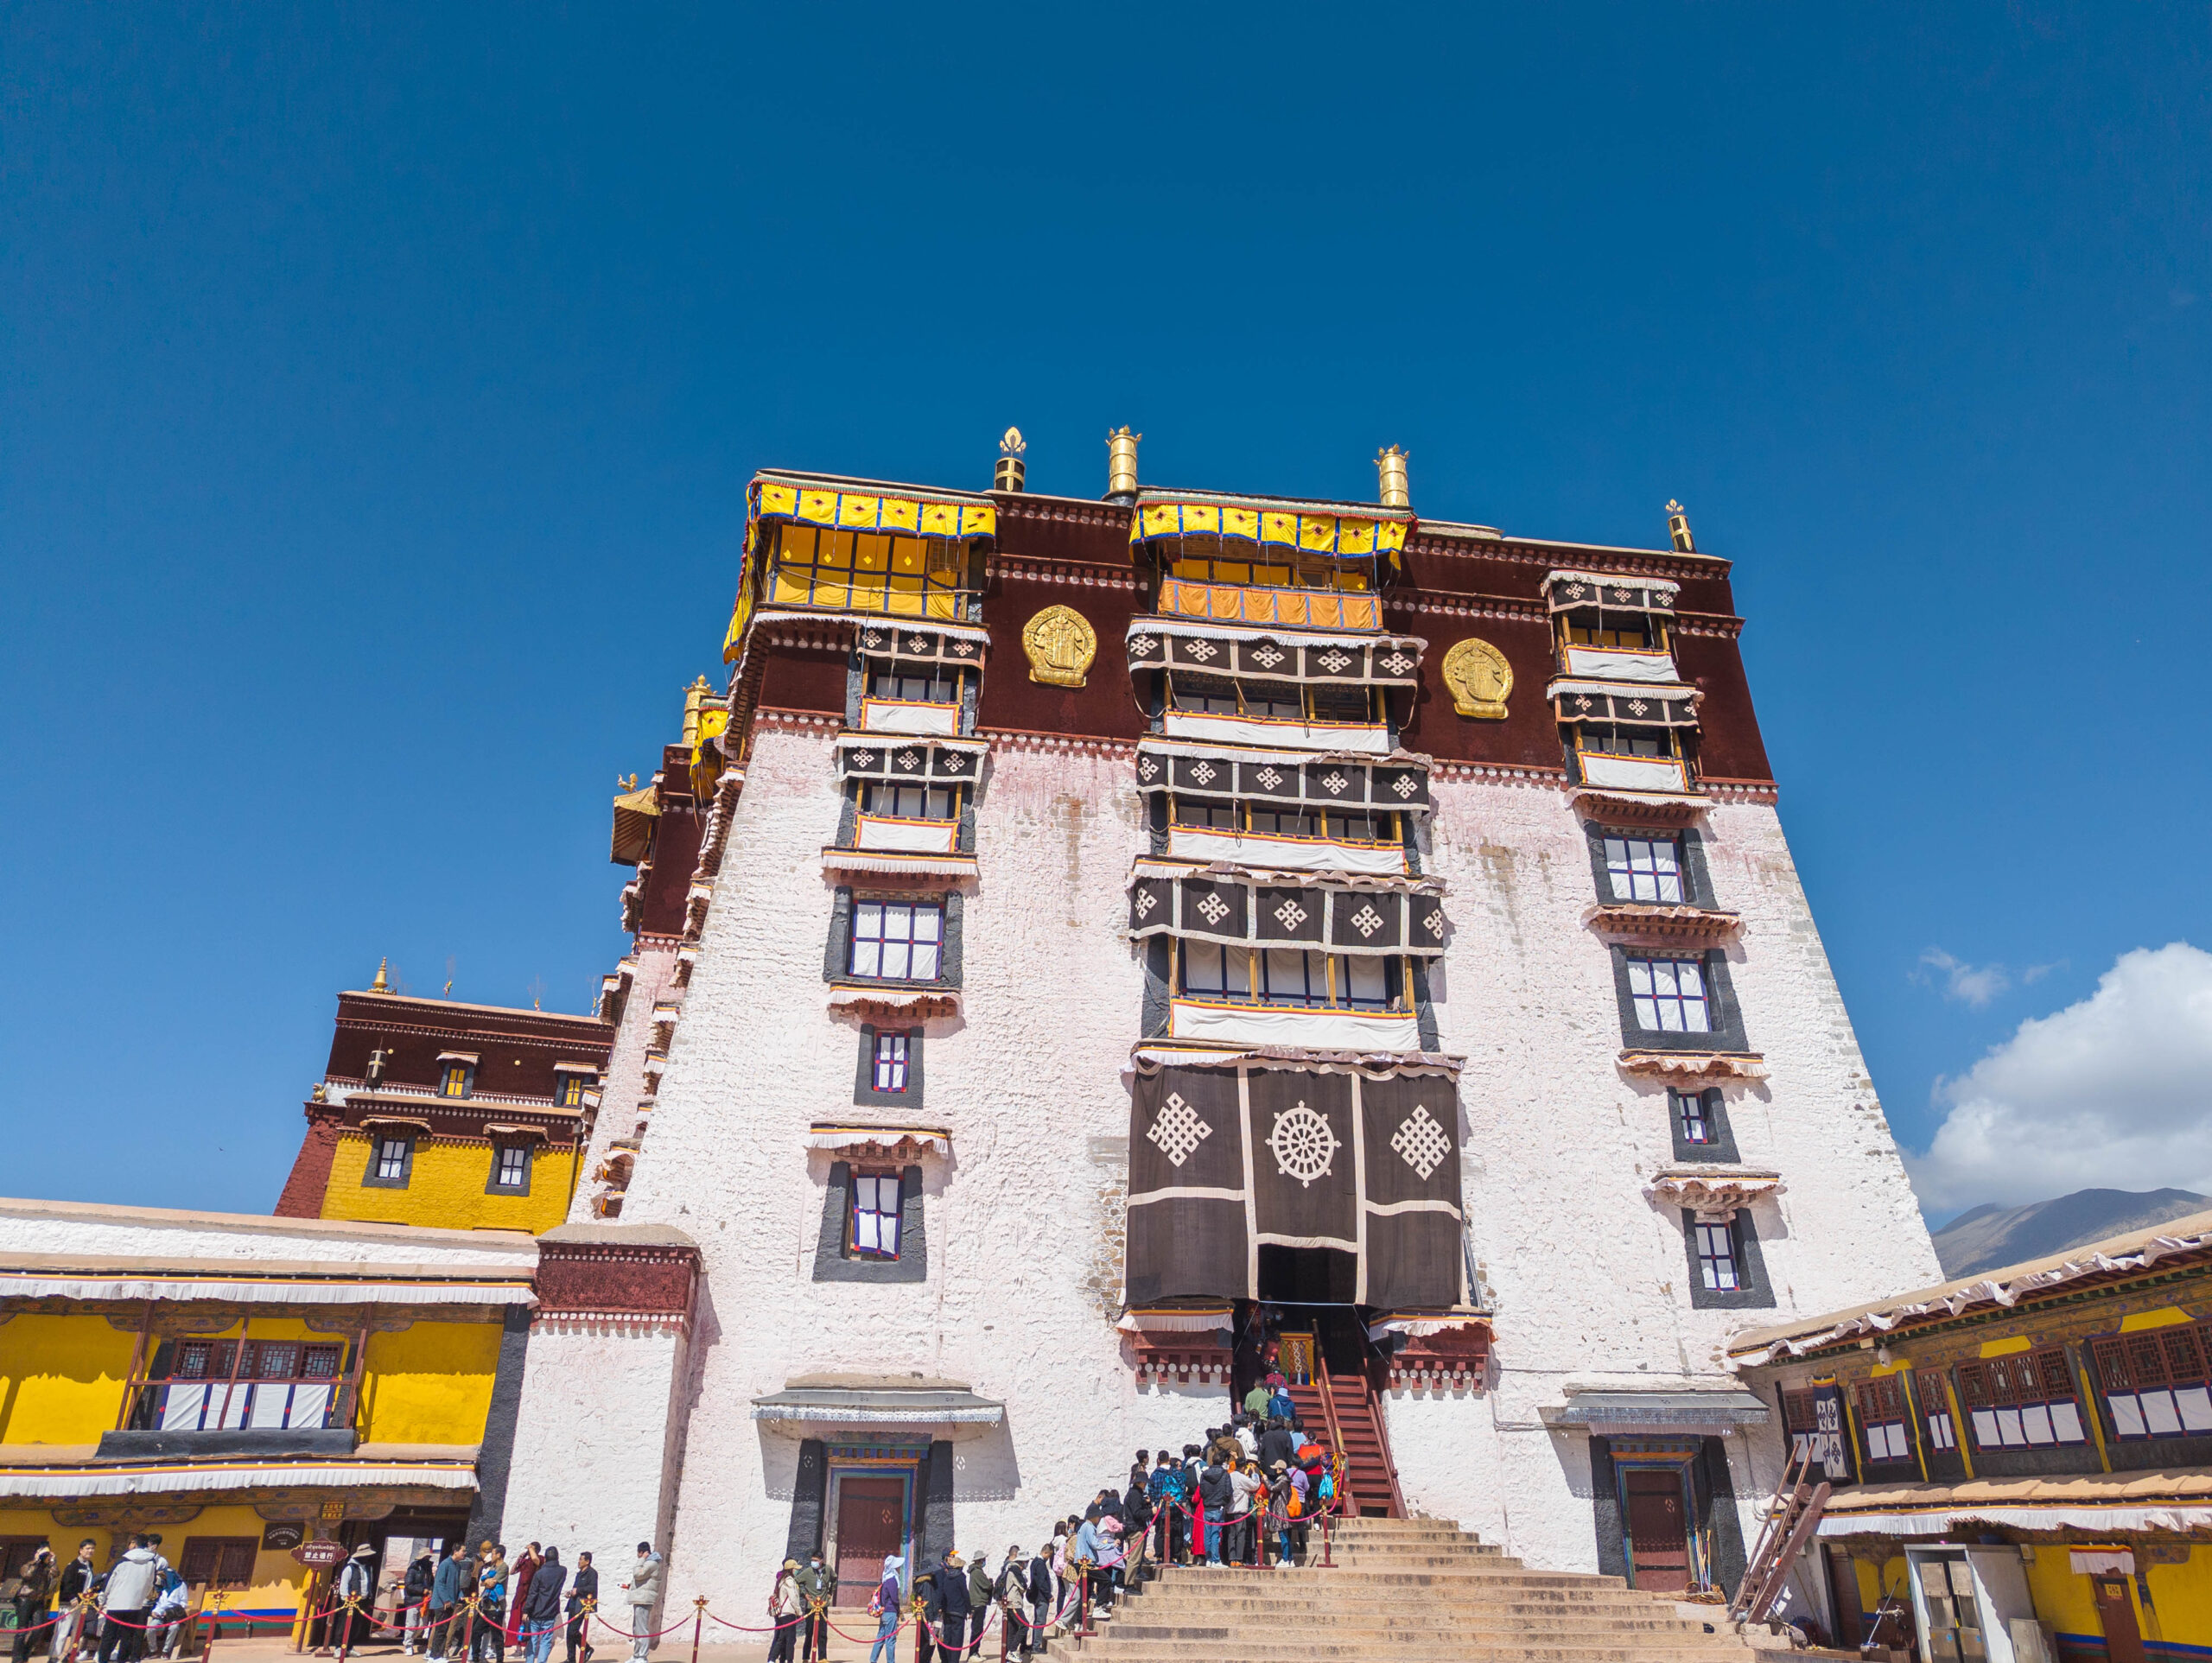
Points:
(1687, 1067)
(1004, 739)
(1509, 773)
(1064, 510)
(1088, 574)
(1477, 605)
(1634, 924)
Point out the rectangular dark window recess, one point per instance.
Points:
(1741, 1242)
(1693, 1112)
(511, 1165)
(884, 939)
(1637, 859)
(391, 1160)
(892, 1055)
(1657, 987)
(833, 1260)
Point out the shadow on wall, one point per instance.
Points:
(986, 1469)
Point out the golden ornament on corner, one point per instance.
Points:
(1061, 644)
(1479, 678)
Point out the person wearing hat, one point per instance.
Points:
(785, 1611)
(356, 1581)
(890, 1596)
(981, 1585)
(928, 1609)
(1013, 1591)
(952, 1585)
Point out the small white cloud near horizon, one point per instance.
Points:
(1974, 984)
(2113, 1092)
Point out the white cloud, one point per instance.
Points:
(1976, 984)
(2114, 1092)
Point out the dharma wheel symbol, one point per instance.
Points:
(1303, 1145)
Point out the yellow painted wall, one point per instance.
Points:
(277, 1577)
(2181, 1597)
(445, 1187)
(61, 1378)
(429, 1384)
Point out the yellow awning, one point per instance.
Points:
(1314, 531)
(919, 514)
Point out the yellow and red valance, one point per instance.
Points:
(917, 514)
(1312, 530)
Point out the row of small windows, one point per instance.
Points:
(1210, 560)
(867, 571)
(1219, 696)
(391, 1164)
(1290, 976)
(1222, 814)
(939, 687)
(910, 801)
(458, 1079)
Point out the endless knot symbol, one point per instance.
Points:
(1178, 1130)
(1269, 777)
(1213, 908)
(1145, 901)
(1397, 664)
(1582, 701)
(916, 642)
(1636, 706)
(1143, 646)
(1148, 768)
(1434, 922)
(1203, 772)
(1333, 661)
(1268, 657)
(1202, 650)
(1404, 786)
(1574, 591)
(1421, 1142)
(1367, 920)
(864, 759)
(1304, 1146)
(908, 759)
(1334, 784)
(1292, 914)
(1622, 595)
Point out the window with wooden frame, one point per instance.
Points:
(1697, 1114)
(218, 1561)
(511, 1168)
(912, 687)
(229, 1385)
(888, 1063)
(1212, 813)
(2023, 1401)
(1800, 1421)
(1293, 977)
(573, 1086)
(1636, 632)
(897, 940)
(874, 1224)
(1203, 559)
(910, 801)
(1197, 693)
(1669, 995)
(2156, 1382)
(1719, 1261)
(867, 571)
(392, 1157)
(1619, 739)
(1928, 1385)
(454, 1079)
(1645, 868)
(1885, 1419)
(1223, 814)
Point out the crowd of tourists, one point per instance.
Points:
(1246, 1495)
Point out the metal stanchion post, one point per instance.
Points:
(698, 1621)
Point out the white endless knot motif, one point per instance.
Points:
(864, 759)
(1404, 786)
(962, 648)
(1214, 909)
(1574, 591)
(1149, 769)
(1269, 777)
(908, 759)
(1434, 922)
(1145, 901)
(1334, 784)
(1421, 1142)
(1367, 920)
(1292, 914)
(1178, 1130)
(1582, 701)
(1143, 646)
(916, 642)
(1268, 657)
(1203, 772)
(872, 638)
(1335, 661)
(1636, 706)
(1304, 1146)
(1622, 595)
(1202, 650)
(1397, 664)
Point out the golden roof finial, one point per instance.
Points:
(1012, 472)
(383, 983)
(1390, 469)
(1678, 527)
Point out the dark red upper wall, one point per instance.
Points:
(515, 1050)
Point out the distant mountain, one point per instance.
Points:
(1991, 1236)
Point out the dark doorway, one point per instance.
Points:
(1843, 1592)
(1658, 1531)
(2123, 1639)
(1307, 1276)
(869, 1530)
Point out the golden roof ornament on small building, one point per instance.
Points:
(1061, 645)
(1390, 469)
(1480, 679)
(1678, 527)
(383, 983)
(1121, 466)
(1012, 472)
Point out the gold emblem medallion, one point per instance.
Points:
(1061, 644)
(1479, 678)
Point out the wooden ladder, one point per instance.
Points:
(1792, 1515)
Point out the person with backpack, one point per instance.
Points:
(1214, 1493)
(952, 1588)
(926, 1606)
(1041, 1599)
(885, 1607)
(541, 1606)
(445, 1596)
(1169, 1492)
(415, 1595)
(491, 1573)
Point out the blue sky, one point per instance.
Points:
(379, 386)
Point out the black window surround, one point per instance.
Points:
(1753, 1292)
(864, 1087)
(499, 1149)
(378, 1137)
(1697, 879)
(833, 1263)
(837, 952)
(1720, 1136)
(1723, 1017)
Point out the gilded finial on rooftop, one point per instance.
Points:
(1390, 468)
(1678, 527)
(1012, 472)
(1121, 466)
(383, 983)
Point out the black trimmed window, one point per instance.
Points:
(391, 1160)
(2156, 1382)
(1620, 739)
(573, 1086)
(909, 802)
(1293, 977)
(897, 940)
(872, 1226)
(1884, 1418)
(839, 1257)
(2023, 1401)
(890, 1068)
(510, 1170)
(1645, 868)
(1726, 1270)
(1215, 814)
(930, 687)
(1718, 1264)
(1697, 1117)
(887, 1066)
(1669, 995)
(1935, 1410)
(455, 1079)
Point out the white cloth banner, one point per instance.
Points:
(1315, 1030)
(1368, 739)
(1265, 852)
(1619, 664)
(1635, 773)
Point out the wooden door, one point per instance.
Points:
(869, 1526)
(1658, 1531)
(1843, 1590)
(2123, 1639)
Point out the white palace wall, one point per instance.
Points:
(1589, 1278)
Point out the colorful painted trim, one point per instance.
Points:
(1343, 535)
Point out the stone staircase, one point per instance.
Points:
(1402, 1590)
